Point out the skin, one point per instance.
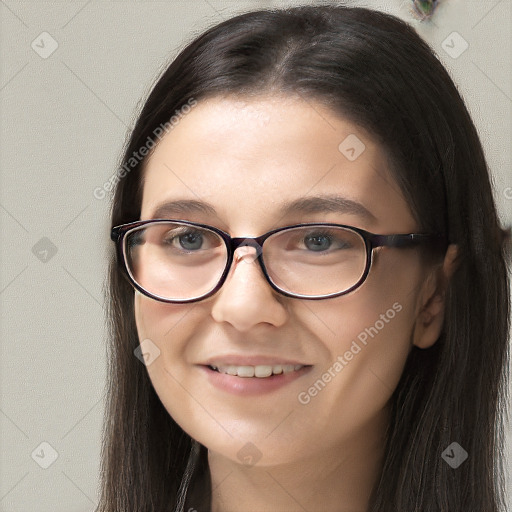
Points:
(246, 157)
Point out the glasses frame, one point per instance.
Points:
(371, 240)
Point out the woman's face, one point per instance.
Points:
(246, 159)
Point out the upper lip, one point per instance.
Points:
(237, 360)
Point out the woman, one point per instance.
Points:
(294, 357)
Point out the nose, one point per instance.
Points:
(246, 299)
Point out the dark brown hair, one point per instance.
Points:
(375, 71)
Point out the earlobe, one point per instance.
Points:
(430, 317)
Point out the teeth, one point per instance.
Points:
(260, 371)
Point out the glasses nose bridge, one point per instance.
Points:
(249, 241)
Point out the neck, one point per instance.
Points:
(339, 480)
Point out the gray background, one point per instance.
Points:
(64, 121)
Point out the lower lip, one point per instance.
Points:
(252, 385)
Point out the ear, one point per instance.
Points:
(431, 301)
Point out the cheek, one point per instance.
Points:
(368, 336)
(162, 322)
(164, 329)
(368, 340)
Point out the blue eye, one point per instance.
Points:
(318, 242)
(325, 240)
(190, 241)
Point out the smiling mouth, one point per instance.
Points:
(259, 371)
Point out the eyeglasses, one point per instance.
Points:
(179, 261)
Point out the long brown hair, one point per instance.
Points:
(374, 70)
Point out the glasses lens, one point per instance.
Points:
(315, 260)
(175, 261)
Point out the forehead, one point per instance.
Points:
(247, 158)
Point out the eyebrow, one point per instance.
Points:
(326, 204)
(302, 205)
(172, 208)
